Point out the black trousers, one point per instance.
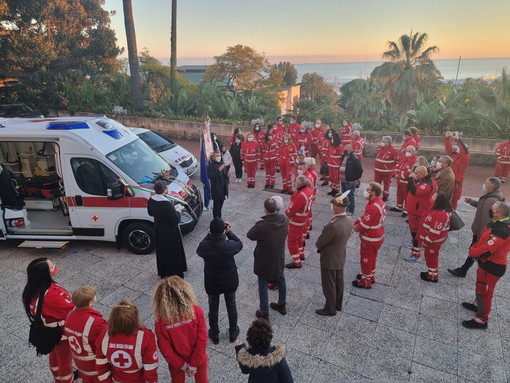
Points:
(214, 302)
(217, 206)
(469, 261)
(238, 165)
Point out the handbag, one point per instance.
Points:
(324, 170)
(42, 337)
(456, 223)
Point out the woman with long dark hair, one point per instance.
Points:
(56, 305)
(433, 232)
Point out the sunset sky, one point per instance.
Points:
(316, 31)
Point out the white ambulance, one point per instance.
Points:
(84, 178)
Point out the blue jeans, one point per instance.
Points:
(352, 187)
(263, 296)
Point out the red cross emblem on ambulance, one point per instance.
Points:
(95, 218)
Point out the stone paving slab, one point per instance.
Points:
(402, 330)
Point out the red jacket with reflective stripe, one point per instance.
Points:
(302, 139)
(297, 211)
(493, 245)
(57, 304)
(250, 151)
(346, 134)
(386, 159)
(127, 358)
(419, 197)
(317, 133)
(184, 342)
(287, 153)
(434, 226)
(82, 328)
(371, 224)
(335, 155)
(357, 147)
(460, 159)
(270, 151)
(405, 167)
(409, 142)
(311, 174)
(503, 152)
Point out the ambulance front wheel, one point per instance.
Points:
(139, 238)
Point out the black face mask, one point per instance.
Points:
(346, 152)
(491, 214)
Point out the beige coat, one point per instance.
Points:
(332, 242)
(446, 182)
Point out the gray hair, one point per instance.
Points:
(387, 138)
(496, 183)
(301, 179)
(278, 201)
(309, 162)
(448, 159)
(503, 208)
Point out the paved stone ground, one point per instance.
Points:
(403, 329)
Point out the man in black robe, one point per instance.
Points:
(218, 175)
(170, 257)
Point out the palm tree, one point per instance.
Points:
(134, 69)
(314, 86)
(409, 72)
(173, 46)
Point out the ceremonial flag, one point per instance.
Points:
(206, 149)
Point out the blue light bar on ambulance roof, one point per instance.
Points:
(113, 133)
(109, 128)
(67, 125)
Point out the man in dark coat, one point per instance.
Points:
(269, 263)
(331, 245)
(218, 175)
(350, 171)
(170, 256)
(218, 249)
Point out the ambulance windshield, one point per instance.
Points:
(140, 162)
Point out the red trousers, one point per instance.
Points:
(431, 253)
(401, 194)
(384, 179)
(178, 376)
(502, 170)
(334, 177)
(314, 151)
(368, 258)
(295, 242)
(61, 362)
(270, 167)
(285, 171)
(485, 284)
(457, 193)
(251, 170)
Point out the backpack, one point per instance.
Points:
(42, 337)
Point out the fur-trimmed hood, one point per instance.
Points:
(249, 360)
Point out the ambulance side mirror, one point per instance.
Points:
(115, 190)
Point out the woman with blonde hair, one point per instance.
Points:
(181, 330)
(127, 351)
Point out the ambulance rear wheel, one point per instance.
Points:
(139, 238)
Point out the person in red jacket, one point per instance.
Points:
(358, 143)
(127, 351)
(317, 132)
(459, 152)
(311, 174)
(250, 154)
(491, 251)
(181, 330)
(403, 170)
(293, 126)
(83, 326)
(346, 133)
(56, 306)
(422, 188)
(416, 136)
(336, 150)
(432, 233)
(297, 211)
(303, 140)
(324, 142)
(279, 129)
(370, 227)
(502, 160)
(287, 156)
(386, 162)
(270, 158)
(258, 135)
(408, 140)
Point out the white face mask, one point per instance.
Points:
(317, 125)
(292, 121)
(456, 148)
(286, 141)
(250, 139)
(332, 207)
(330, 135)
(382, 144)
(484, 187)
(433, 163)
(408, 154)
(300, 171)
(217, 159)
(238, 140)
(302, 130)
(257, 128)
(438, 165)
(366, 194)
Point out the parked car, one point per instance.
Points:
(169, 150)
(18, 110)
